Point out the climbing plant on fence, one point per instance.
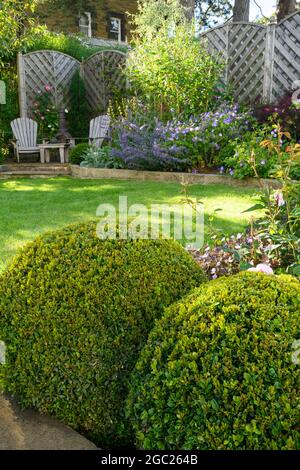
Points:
(53, 71)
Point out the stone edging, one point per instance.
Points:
(191, 178)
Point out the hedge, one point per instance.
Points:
(217, 371)
(75, 312)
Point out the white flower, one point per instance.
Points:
(262, 268)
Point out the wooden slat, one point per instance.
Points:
(259, 60)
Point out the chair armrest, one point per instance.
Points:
(71, 142)
(14, 142)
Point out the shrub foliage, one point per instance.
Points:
(74, 314)
(217, 371)
(77, 153)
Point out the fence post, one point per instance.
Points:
(269, 63)
(22, 87)
(227, 55)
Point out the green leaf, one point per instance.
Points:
(256, 207)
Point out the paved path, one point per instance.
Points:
(28, 430)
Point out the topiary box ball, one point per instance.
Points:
(220, 370)
(75, 312)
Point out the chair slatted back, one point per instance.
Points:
(25, 132)
(99, 129)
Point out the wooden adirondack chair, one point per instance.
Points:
(99, 129)
(25, 134)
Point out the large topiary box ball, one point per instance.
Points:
(220, 370)
(75, 312)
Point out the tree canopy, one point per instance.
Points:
(16, 18)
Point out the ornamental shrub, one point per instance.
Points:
(218, 370)
(142, 147)
(174, 70)
(77, 154)
(207, 137)
(75, 312)
(100, 157)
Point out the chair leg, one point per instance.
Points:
(62, 155)
(42, 154)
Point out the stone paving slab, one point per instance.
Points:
(28, 430)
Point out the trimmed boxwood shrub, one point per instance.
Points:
(217, 371)
(75, 312)
(77, 153)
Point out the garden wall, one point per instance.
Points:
(191, 178)
(261, 61)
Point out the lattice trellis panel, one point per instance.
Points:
(246, 59)
(261, 60)
(217, 40)
(103, 76)
(217, 44)
(286, 55)
(43, 69)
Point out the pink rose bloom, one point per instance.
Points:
(262, 268)
(48, 88)
(279, 199)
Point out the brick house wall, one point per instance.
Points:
(64, 16)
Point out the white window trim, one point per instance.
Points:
(119, 21)
(89, 26)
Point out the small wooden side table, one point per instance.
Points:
(63, 148)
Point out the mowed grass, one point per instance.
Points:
(29, 207)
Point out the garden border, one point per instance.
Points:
(190, 178)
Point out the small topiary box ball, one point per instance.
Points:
(219, 369)
(75, 312)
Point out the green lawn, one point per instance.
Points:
(32, 206)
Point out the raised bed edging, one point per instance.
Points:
(192, 178)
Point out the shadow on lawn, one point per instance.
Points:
(29, 207)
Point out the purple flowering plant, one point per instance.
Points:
(139, 145)
(203, 137)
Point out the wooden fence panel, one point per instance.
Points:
(103, 77)
(246, 58)
(41, 70)
(260, 61)
(286, 55)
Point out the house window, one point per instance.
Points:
(85, 24)
(115, 28)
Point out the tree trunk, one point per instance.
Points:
(241, 10)
(189, 6)
(285, 8)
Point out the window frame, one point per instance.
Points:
(88, 27)
(120, 31)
